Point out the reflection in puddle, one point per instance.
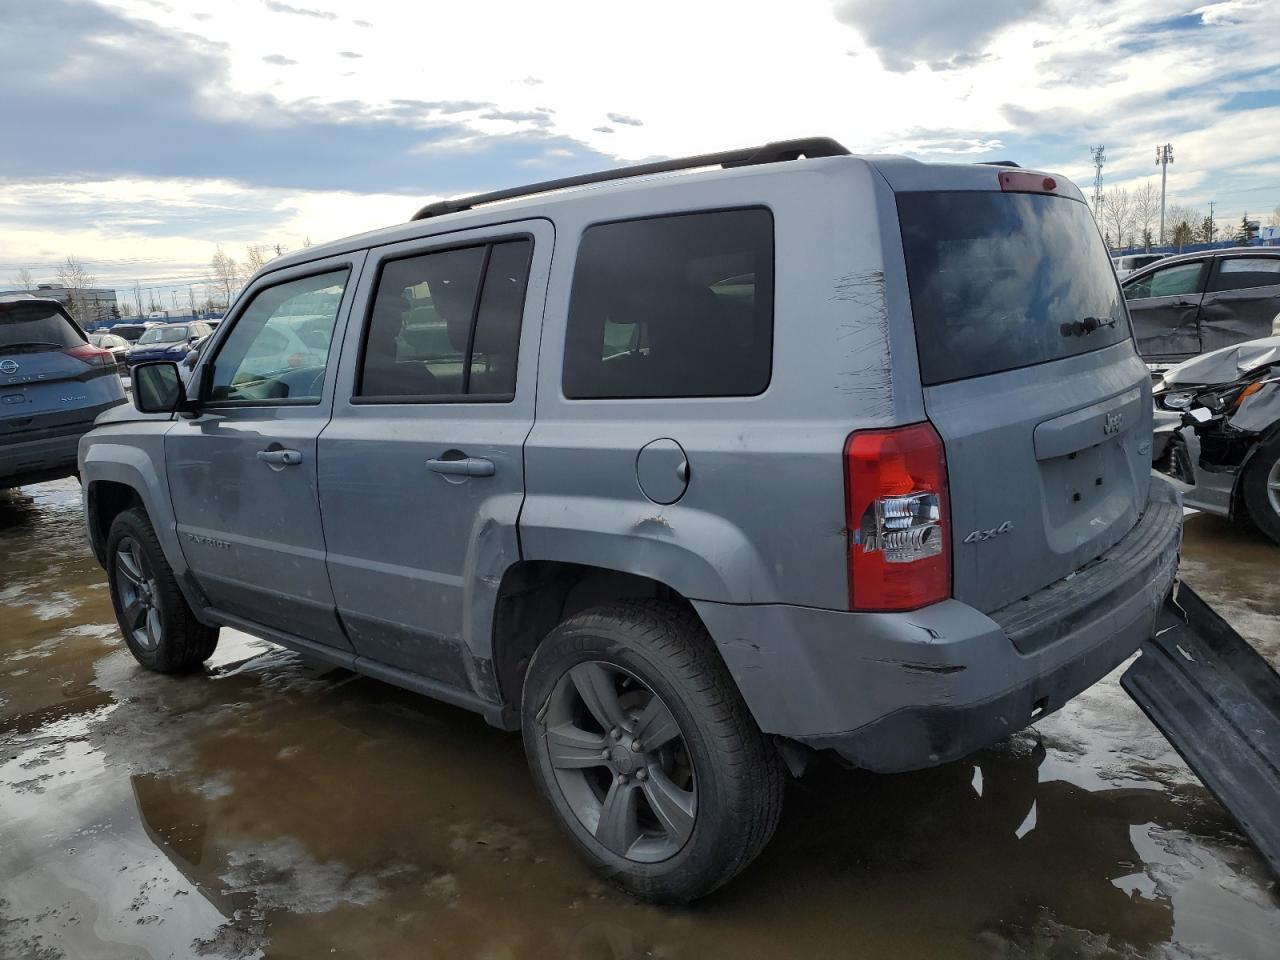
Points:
(277, 807)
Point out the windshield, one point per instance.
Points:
(31, 328)
(164, 335)
(1005, 280)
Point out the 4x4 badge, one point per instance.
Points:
(1113, 422)
(979, 535)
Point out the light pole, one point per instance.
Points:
(1164, 157)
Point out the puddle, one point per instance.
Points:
(276, 807)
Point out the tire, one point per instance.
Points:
(669, 820)
(1261, 498)
(158, 626)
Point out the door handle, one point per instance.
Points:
(466, 467)
(284, 458)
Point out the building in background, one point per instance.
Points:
(96, 304)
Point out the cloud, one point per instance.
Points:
(279, 60)
(541, 118)
(603, 129)
(930, 31)
(276, 7)
(350, 54)
(625, 120)
(175, 113)
(362, 23)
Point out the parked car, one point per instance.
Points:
(791, 456)
(167, 341)
(1218, 432)
(117, 346)
(1199, 302)
(1132, 262)
(131, 331)
(53, 383)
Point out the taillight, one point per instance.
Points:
(897, 517)
(1024, 181)
(94, 356)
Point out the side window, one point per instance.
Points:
(1179, 280)
(677, 306)
(279, 347)
(447, 324)
(1240, 273)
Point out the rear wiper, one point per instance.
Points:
(1082, 328)
(31, 343)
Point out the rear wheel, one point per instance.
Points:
(1260, 488)
(159, 627)
(638, 738)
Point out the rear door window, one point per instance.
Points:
(1242, 273)
(35, 328)
(677, 306)
(445, 325)
(999, 281)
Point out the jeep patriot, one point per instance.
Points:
(686, 471)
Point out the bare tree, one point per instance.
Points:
(225, 273)
(256, 257)
(1118, 213)
(1146, 210)
(24, 280)
(73, 275)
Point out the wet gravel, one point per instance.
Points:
(272, 807)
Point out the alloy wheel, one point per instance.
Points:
(1273, 486)
(139, 596)
(621, 761)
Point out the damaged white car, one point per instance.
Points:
(1217, 432)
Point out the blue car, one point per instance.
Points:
(169, 341)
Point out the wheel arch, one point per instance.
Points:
(535, 596)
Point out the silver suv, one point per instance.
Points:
(686, 474)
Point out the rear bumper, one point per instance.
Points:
(47, 458)
(893, 692)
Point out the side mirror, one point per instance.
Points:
(157, 387)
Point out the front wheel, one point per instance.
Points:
(1260, 488)
(640, 741)
(159, 627)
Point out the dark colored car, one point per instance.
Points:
(1191, 304)
(53, 384)
(130, 332)
(116, 345)
(167, 341)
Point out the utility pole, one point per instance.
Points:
(1211, 221)
(1099, 158)
(1164, 157)
(191, 295)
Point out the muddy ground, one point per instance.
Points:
(273, 807)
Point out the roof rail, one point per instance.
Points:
(745, 157)
(1000, 163)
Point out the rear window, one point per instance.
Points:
(31, 328)
(164, 335)
(675, 306)
(998, 281)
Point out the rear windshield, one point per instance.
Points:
(31, 328)
(164, 335)
(1003, 280)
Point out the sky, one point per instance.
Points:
(139, 135)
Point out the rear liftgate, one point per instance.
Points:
(1218, 702)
